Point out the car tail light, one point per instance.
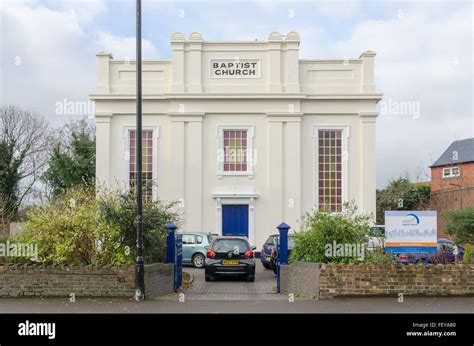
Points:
(249, 254)
(210, 254)
(403, 257)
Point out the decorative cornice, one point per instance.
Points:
(183, 96)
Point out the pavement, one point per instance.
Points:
(264, 287)
(338, 305)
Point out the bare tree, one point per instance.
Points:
(23, 139)
(6, 214)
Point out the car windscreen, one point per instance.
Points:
(377, 232)
(291, 242)
(226, 245)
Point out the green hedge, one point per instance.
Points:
(80, 228)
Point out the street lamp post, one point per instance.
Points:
(139, 263)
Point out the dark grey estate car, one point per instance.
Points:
(230, 256)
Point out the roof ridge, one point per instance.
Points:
(464, 139)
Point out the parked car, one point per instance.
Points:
(375, 238)
(272, 258)
(445, 254)
(194, 247)
(230, 256)
(266, 253)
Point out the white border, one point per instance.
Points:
(345, 160)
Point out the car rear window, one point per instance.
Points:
(225, 245)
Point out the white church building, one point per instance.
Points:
(244, 134)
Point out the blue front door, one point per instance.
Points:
(235, 220)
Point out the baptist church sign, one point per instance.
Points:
(235, 68)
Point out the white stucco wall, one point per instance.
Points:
(284, 106)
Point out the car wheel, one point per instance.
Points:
(266, 266)
(251, 278)
(198, 260)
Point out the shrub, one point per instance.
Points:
(467, 254)
(322, 228)
(460, 224)
(80, 228)
(118, 210)
(70, 230)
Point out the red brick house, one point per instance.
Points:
(452, 180)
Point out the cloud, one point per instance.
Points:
(48, 53)
(422, 57)
(124, 47)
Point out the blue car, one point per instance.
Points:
(444, 255)
(194, 247)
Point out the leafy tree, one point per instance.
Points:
(401, 194)
(72, 159)
(460, 224)
(23, 150)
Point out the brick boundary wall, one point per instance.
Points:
(352, 280)
(18, 280)
(159, 279)
(301, 279)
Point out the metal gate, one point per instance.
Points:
(281, 257)
(174, 254)
(178, 264)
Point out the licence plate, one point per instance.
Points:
(230, 262)
(268, 258)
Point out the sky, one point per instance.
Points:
(424, 62)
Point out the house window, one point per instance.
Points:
(451, 172)
(147, 161)
(235, 150)
(330, 170)
(234, 155)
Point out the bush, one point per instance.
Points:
(71, 230)
(322, 228)
(412, 196)
(460, 224)
(80, 228)
(467, 254)
(118, 210)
